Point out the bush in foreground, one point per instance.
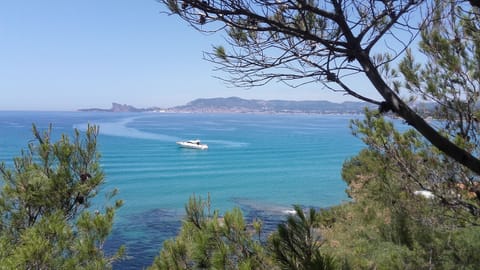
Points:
(208, 241)
(45, 216)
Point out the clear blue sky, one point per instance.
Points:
(65, 55)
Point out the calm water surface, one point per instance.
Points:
(261, 163)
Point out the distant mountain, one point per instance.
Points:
(239, 105)
(235, 104)
(120, 108)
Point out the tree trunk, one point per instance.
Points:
(412, 118)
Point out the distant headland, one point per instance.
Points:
(239, 105)
(116, 107)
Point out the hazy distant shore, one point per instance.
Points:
(238, 105)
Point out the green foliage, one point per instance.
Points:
(44, 203)
(211, 242)
(450, 75)
(387, 226)
(220, 53)
(417, 165)
(296, 243)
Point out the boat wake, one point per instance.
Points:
(229, 144)
(120, 129)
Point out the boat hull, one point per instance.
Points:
(193, 145)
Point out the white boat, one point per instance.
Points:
(195, 144)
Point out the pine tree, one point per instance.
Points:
(46, 221)
(208, 241)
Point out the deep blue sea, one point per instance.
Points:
(261, 163)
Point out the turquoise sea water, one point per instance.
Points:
(261, 163)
